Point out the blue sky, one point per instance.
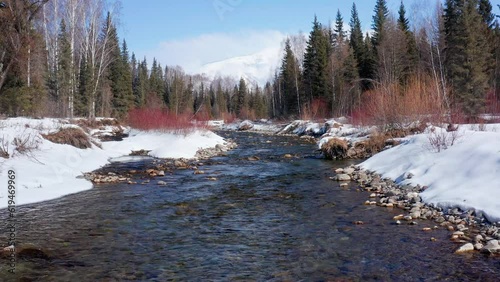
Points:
(191, 33)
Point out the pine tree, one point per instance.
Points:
(142, 83)
(63, 70)
(289, 78)
(316, 64)
(81, 99)
(379, 19)
(339, 33)
(485, 10)
(356, 38)
(467, 63)
(121, 82)
(156, 84)
(241, 93)
(410, 57)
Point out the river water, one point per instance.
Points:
(272, 219)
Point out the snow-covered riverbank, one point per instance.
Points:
(51, 170)
(464, 175)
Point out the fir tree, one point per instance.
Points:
(289, 79)
(121, 78)
(466, 40)
(63, 70)
(410, 57)
(485, 10)
(339, 33)
(379, 19)
(316, 64)
(356, 38)
(241, 97)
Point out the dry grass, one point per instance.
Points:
(335, 148)
(71, 136)
(26, 143)
(4, 148)
(87, 124)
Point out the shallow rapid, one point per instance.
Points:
(265, 217)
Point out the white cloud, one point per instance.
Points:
(193, 53)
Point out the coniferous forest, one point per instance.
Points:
(63, 58)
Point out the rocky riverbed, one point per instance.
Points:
(160, 168)
(468, 228)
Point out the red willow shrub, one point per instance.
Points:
(162, 120)
(395, 107)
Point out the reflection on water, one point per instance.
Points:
(273, 219)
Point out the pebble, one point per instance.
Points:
(398, 217)
(491, 247)
(407, 198)
(478, 246)
(465, 248)
(342, 177)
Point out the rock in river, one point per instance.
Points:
(342, 177)
(492, 247)
(465, 248)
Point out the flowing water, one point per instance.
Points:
(272, 219)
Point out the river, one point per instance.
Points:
(268, 218)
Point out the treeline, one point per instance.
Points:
(451, 56)
(64, 58)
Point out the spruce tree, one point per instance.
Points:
(316, 64)
(241, 97)
(289, 72)
(356, 37)
(466, 59)
(485, 10)
(410, 57)
(339, 33)
(63, 70)
(379, 19)
(121, 86)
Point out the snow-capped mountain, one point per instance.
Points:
(255, 68)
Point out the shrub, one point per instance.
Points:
(70, 136)
(392, 106)
(335, 148)
(159, 119)
(4, 148)
(440, 139)
(26, 143)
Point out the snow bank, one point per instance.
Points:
(466, 175)
(51, 171)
